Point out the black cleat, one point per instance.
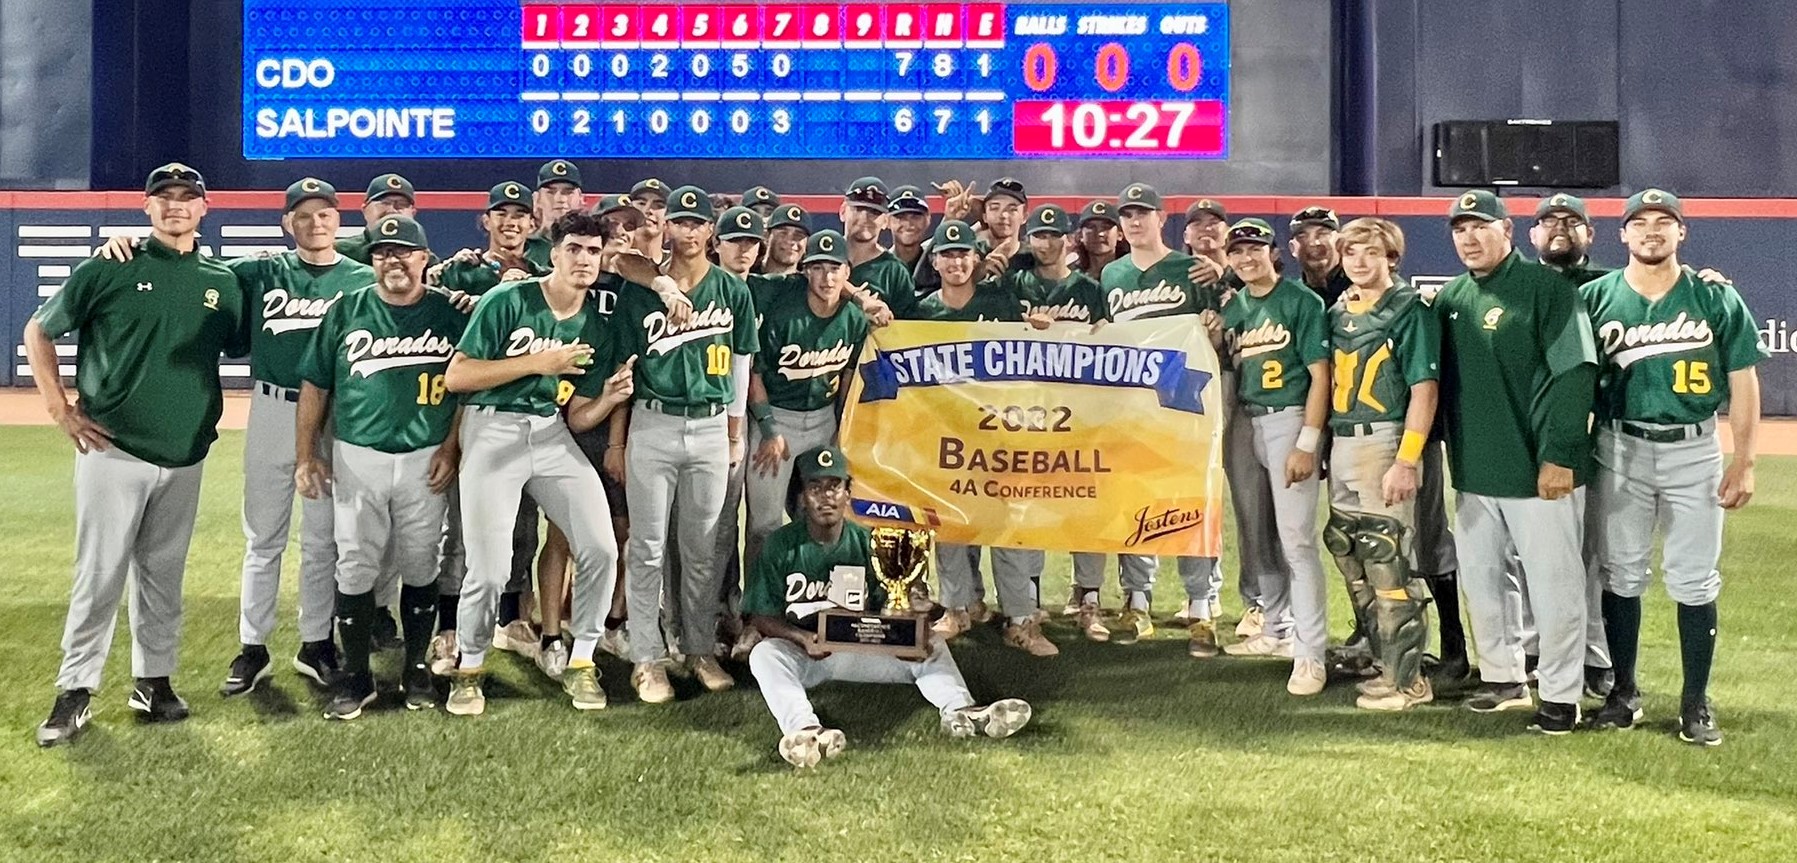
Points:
(1493, 697)
(317, 661)
(1621, 710)
(351, 693)
(157, 701)
(1451, 673)
(1697, 724)
(1555, 719)
(386, 631)
(420, 687)
(1599, 681)
(249, 669)
(68, 716)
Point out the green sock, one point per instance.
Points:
(355, 627)
(1622, 628)
(417, 619)
(1697, 648)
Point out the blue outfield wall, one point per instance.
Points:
(1750, 241)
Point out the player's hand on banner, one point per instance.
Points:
(1299, 466)
(1213, 327)
(569, 359)
(1040, 320)
(769, 455)
(878, 313)
(444, 464)
(89, 436)
(311, 478)
(117, 247)
(1737, 484)
(1400, 483)
(680, 306)
(1554, 482)
(622, 383)
(1204, 271)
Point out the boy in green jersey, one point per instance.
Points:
(558, 194)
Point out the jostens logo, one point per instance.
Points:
(1160, 519)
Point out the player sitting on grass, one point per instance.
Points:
(792, 581)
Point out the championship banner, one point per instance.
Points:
(1062, 439)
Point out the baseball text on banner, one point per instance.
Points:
(1060, 439)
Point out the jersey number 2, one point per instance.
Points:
(1691, 377)
(1272, 375)
(717, 360)
(431, 389)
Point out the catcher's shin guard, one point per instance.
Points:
(1400, 599)
(1338, 537)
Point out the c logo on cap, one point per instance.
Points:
(689, 200)
(1207, 204)
(1047, 217)
(953, 232)
(1558, 201)
(744, 220)
(793, 212)
(1652, 196)
(1135, 192)
(512, 190)
(1469, 201)
(560, 169)
(826, 244)
(825, 459)
(652, 183)
(309, 185)
(390, 228)
(1098, 208)
(393, 182)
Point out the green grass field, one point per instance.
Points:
(1137, 752)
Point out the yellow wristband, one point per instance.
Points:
(1410, 449)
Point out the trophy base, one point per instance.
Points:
(906, 636)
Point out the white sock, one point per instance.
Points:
(1138, 600)
(1019, 621)
(472, 661)
(1197, 609)
(583, 649)
(1088, 597)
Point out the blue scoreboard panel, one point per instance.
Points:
(409, 79)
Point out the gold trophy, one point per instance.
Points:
(901, 563)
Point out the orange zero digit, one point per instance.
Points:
(1185, 67)
(1113, 67)
(1039, 67)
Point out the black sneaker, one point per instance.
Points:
(352, 693)
(68, 716)
(157, 701)
(317, 661)
(386, 631)
(1493, 697)
(1451, 673)
(1621, 710)
(1697, 724)
(1555, 719)
(1599, 681)
(421, 689)
(250, 668)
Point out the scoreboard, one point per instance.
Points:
(411, 79)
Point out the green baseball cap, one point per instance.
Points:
(908, 199)
(1322, 217)
(508, 194)
(952, 234)
(1101, 211)
(651, 186)
(174, 174)
(790, 216)
(1049, 219)
(309, 189)
(1653, 199)
(1249, 231)
(391, 184)
(869, 193)
(1207, 205)
(610, 204)
(760, 196)
(822, 462)
(1561, 202)
(402, 231)
(558, 171)
(1008, 187)
(739, 222)
(1139, 195)
(1478, 204)
(690, 202)
(826, 245)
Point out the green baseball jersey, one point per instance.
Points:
(802, 357)
(481, 276)
(357, 248)
(765, 289)
(384, 366)
(1274, 339)
(992, 301)
(515, 320)
(688, 365)
(791, 578)
(1668, 361)
(149, 332)
(1579, 273)
(1073, 298)
(1381, 352)
(1517, 375)
(1161, 290)
(887, 276)
(536, 251)
(287, 299)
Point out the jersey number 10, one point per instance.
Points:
(717, 360)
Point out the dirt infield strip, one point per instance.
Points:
(20, 406)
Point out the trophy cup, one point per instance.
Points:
(901, 563)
